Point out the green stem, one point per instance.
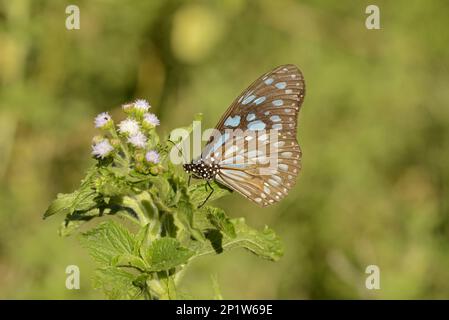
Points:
(123, 146)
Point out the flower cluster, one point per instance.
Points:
(133, 142)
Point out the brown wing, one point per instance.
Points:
(257, 151)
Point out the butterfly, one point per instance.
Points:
(255, 151)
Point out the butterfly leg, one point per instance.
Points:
(208, 196)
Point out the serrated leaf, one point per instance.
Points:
(166, 253)
(200, 191)
(129, 260)
(61, 204)
(184, 217)
(75, 220)
(68, 227)
(112, 182)
(161, 188)
(82, 199)
(117, 283)
(142, 239)
(265, 244)
(107, 241)
(210, 217)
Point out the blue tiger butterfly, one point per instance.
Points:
(237, 158)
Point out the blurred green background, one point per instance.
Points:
(374, 131)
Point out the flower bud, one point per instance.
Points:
(140, 167)
(128, 108)
(139, 156)
(96, 139)
(115, 142)
(155, 170)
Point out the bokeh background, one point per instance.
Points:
(374, 131)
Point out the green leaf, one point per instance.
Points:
(108, 241)
(220, 221)
(184, 216)
(61, 204)
(75, 220)
(166, 253)
(265, 244)
(117, 283)
(115, 248)
(161, 188)
(129, 260)
(200, 191)
(142, 238)
(111, 182)
(80, 200)
(68, 227)
(83, 199)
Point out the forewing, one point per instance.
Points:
(257, 150)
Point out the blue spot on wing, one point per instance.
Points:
(256, 125)
(248, 99)
(232, 121)
(235, 165)
(250, 117)
(281, 85)
(259, 100)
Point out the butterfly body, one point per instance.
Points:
(254, 150)
(201, 169)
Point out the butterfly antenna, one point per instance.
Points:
(179, 150)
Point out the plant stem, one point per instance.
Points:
(123, 146)
(147, 213)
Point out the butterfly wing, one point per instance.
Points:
(257, 130)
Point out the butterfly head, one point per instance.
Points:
(201, 169)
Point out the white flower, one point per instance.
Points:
(138, 140)
(152, 156)
(102, 149)
(150, 118)
(102, 119)
(129, 126)
(141, 105)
